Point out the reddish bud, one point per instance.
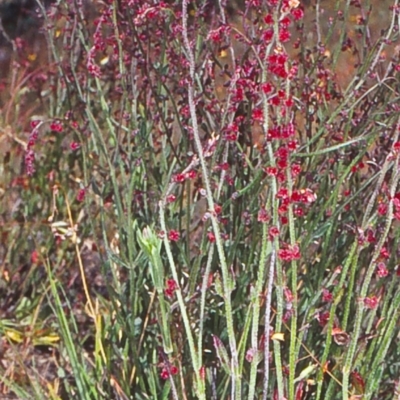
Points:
(327, 296)
(74, 146)
(81, 195)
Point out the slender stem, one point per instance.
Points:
(236, 381)
(267, 329)
(181, 302)
(293, 324)
(203, 301)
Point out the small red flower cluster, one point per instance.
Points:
(371, 302)
(171, 288)
(74, 146)
(219, 34)
(289, 253)
(29, 162)
(30, 154)
(81, 195)
(211, 237)
(165, 373)
(173, 235)
(56, 126)
(381, 270)
(181, 177)
(327, 296)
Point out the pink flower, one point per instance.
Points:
(371, 302)
(326, 296)
(262, 216)
(382, 271)
(171, 198)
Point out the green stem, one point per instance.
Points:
(227, 284)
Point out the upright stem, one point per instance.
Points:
(236, 381)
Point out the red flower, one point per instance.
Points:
(173, 235)
(258, 115)
(384, 252)
(171, 198)
(296, 196)
(56, 126)
(171, 288)
(74, 146)
(267, 88)
(297, 13)
(202, 373)
(285, 255)
(285, 22)
(283, 193)
(217, 209)
(34, 257)
(179, 178)
(273, 232)
(292, 145)
(81, 195)
(211, 237)
(288, 295)
(295, 252)
(382, 209)
(370, 236)
(275, 101)
(284, 36)
(191, 174)
(396, 146)
(298, 212)
(327, 296)
(35, 123)
(262, 215)
(268, 19)
(323, 318)
(290, 253)
(271, 171)
(29, 162)
(267, 35)
(164, 374)
(382, 271)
